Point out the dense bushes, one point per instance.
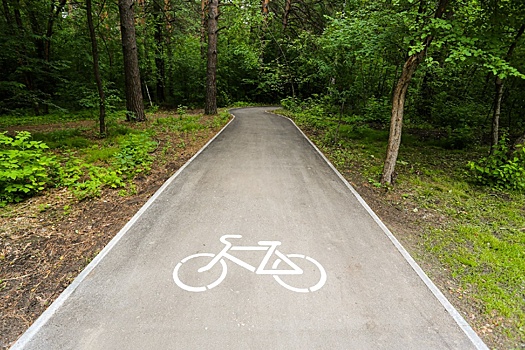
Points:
(25, 167)
(28, 167)
(503, 169)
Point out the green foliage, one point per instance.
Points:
(86, 180)
(460, 138)
(56, 117)
(25, 167)
(501, 170)
(91, 98)
(100, 154)
(186, 123)
(123, 163)
(182, 111)
(65, 138)
(134, 157)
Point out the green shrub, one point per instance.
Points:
(501, 170)
(25, 167)
(134, 157)
(86, 180)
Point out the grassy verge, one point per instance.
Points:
(471, 239)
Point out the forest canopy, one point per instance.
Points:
(450, 65)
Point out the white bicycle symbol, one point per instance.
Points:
(269, 246)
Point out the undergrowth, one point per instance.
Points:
(77, 159)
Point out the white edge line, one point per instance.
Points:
(471, 334)
(28, 335)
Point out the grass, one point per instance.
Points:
(53, 118)
(475, 233)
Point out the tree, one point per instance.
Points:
(498, 84)
(286, 15)
(160, 63)
(211, 71)
(96, 69)
(134, 100)
(399, 97)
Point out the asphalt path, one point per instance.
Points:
(257, 243)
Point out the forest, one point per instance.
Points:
(452, 66)
(407, 93)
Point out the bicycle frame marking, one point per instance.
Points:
(269, 246)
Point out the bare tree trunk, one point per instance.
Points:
(211, 73)
(7, 15)
(96, 70)
(396, 122)
(265, 7)
(159, 53)
(286, 15)
(398, 103)
(498, 84)
(204, 25)
(54, 13)
(497, 113)
(134, 100)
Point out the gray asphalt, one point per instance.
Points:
(263, 180)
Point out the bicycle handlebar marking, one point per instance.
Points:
(270, 247)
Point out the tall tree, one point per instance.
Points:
(498, 96)
(399, 97)
(204, 7)
(286, 15)
(159, 52)
(134, 99)
(211, 72)
(96, 69)
(265, 4)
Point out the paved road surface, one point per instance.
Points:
(261, 179)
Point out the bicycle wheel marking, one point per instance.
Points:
(188, 288)
(316, 287)
(210, 261)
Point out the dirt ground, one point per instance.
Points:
(47, 240)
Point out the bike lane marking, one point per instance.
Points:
(274, 271)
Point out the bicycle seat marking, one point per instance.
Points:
(282, 266)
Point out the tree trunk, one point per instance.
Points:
(398, 103)
(211, 73)
(498, 84)
(497, 112)
(54, 13)
(96, 70)
(159, 53)
(265, 7)
(203, 27)
(7, 15)
(286, 15)
(134, 102)
(396, 122)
